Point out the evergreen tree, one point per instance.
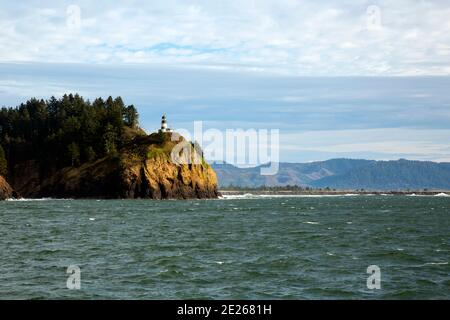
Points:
(89, 154)
(131, 116)
(109, 139)
(3, 163)
(74, 153)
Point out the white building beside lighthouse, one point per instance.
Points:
(164, 127)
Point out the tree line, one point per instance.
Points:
(275, 188)
(63, 132)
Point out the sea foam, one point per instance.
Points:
(442, 195)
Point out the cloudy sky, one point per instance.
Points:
(360, 79)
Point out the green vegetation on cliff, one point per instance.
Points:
(65, 132)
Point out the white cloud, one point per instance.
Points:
(291, 37)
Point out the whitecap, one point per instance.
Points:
(311, 222)
(435, 263)
(442, 195)
(37, 199)
(269, 196)
(237, 196)
(92, 219)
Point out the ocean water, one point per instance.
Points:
(244, 247)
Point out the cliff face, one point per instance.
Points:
(5, 189)
(142, 169)
(158, 178)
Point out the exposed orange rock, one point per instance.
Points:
(6, 191)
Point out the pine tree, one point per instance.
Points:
(74, 153)
(89, 154)
(109, 139)
(3, 163)
(131, 116)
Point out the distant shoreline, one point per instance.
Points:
(333, 192)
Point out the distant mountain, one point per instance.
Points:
(343, 174)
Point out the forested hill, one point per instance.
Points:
(343, 174)
(391, 175)
(64, 132)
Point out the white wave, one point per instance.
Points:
(435, 263)
(35, 199)
(237, 196)
(268, 196)
(442, 195)
(311, 222)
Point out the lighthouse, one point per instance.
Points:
(164, 125)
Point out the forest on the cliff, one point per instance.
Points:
(63, 132)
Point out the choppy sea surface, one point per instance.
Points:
(243, 247)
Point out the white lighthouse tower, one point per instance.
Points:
(164, 125)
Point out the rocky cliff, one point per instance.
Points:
(5, 189)
(143, 168)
